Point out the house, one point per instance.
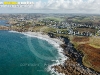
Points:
(51, 35)
(70, 31)
(98, 32)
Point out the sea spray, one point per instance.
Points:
(61, 59)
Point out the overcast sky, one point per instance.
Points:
(56, 6)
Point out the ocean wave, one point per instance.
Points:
(14, 31)
(61, 58)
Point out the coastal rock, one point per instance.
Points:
(73, 65)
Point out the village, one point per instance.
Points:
(58, 22)
(80, 38)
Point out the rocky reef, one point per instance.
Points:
(73, 65)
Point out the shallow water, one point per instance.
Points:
(19, 56)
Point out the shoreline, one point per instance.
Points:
(73, 65)
(54, 42)
(59, 68)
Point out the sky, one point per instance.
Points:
(56, 6)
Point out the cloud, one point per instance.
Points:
(65, 6)
(77, 5)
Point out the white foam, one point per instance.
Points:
(14, 31)
(60, 60)
(62, 57)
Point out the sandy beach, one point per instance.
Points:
(43, 36)
(65, 58)
(56, 43)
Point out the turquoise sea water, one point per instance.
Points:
(17, 57)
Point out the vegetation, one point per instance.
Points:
(90, 47)
(54, 19)
(91, 57)
(46, 29)
(95, 42)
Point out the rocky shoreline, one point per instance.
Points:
(73, 65)
(4, 28)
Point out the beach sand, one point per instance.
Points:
(44, 36)
(56, 43)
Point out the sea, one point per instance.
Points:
(24, 55)
(4, 23)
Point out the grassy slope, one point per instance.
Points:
(91, 50)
